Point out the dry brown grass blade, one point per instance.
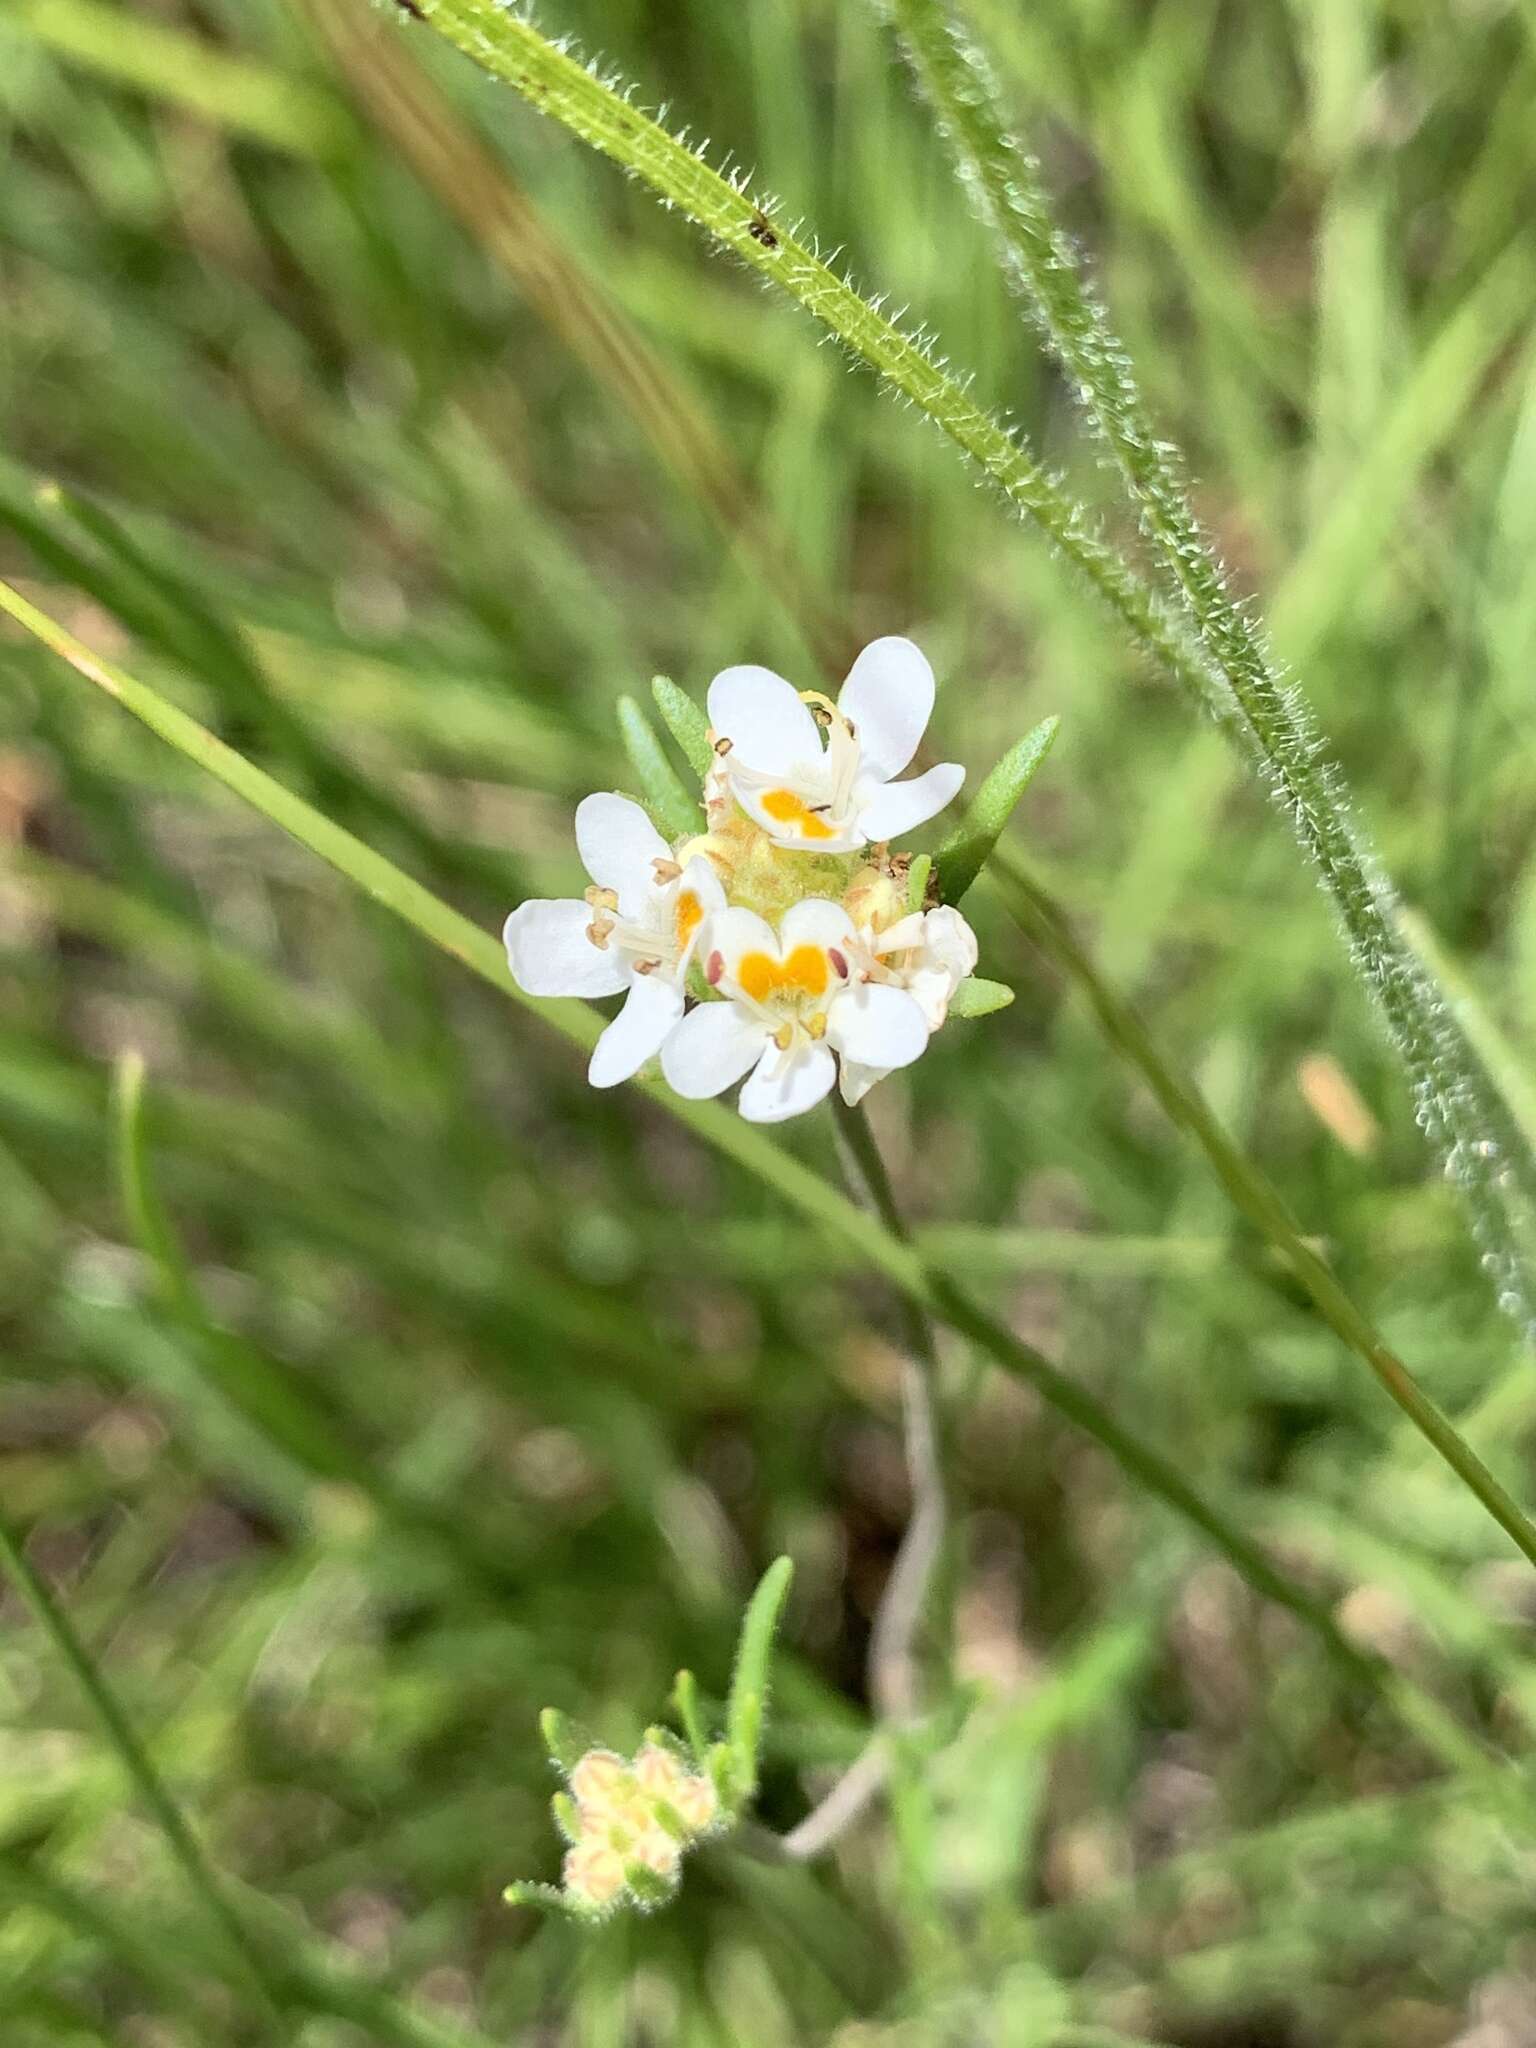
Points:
(374, 62)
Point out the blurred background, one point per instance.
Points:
(395, 436)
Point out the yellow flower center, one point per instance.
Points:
(803, 975)
(785, 808)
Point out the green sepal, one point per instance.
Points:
(649, 1886)
(669, 1819)
(679, 815)
(978, 997)
(567, 1819)
(685, 1698)
(548, 1898)
(964, 853)
(686, 723)
(917, 880)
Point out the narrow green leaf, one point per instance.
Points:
(562, 1738)
(964, 854)
(917, 880)
(686, 723)
(677, 813)
(749, 1681)
(685, 1698)
(978, 997)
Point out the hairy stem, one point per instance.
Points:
(1457, 1103)
(1222, 664)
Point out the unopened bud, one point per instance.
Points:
(594, 1873)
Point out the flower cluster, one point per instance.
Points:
(628, 1822)
(780, 944)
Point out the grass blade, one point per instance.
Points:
(253, 1964)
(1160, 1475)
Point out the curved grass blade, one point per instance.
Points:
(254, 1965)
(795, 1183)
(250, 1384)
(1252, 1193)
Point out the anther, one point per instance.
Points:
(816, 1027)
(839, 962)
(714, 967)
(597, 935)
(722, 747)
(600, 899)
(665, 870)
(784, 1037)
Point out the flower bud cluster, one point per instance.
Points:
(629, 1822)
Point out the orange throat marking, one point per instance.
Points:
(690, 914)
(804, 973)
(785, 808)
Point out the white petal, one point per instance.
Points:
(712, 1047)
(735, 932)
(877, 1025)
(814, 921)
(779, 1088)
(901, 805)
(788, 809)
(550, 954)
(764, 720)
(902, 936)
(617, 843)
(949, 942)
(888, 700)
(855, 1080)
(700, 899)
(653, 1007)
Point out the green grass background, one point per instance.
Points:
(397, 438)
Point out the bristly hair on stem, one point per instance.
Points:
(1456, 1100)
(1203, 640)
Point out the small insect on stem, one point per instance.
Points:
(759, 229)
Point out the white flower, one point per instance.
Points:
(928, 954)
(835, 797)
(634, 933)
(793, 1000)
